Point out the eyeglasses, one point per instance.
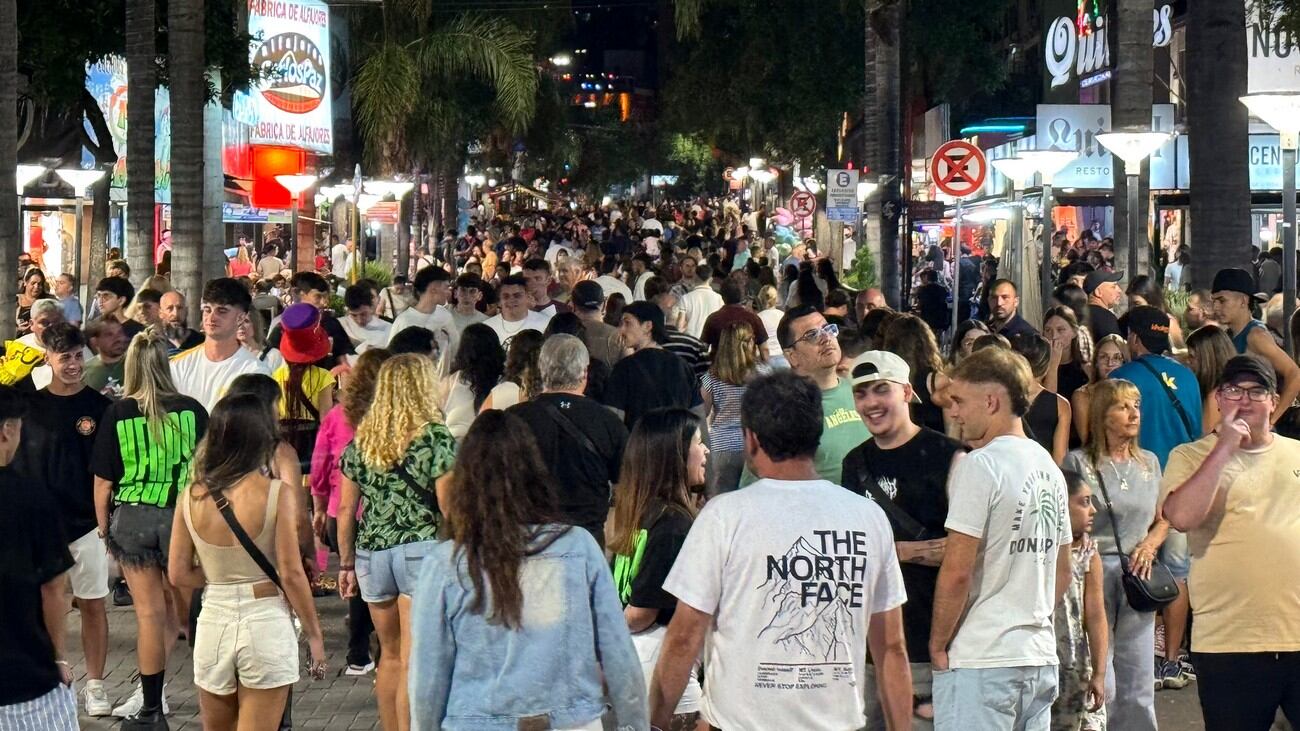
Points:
(1237, 393)
(812, 337)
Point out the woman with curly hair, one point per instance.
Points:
(401, 451)
(475, 371)
(517, 601)
(522, 379)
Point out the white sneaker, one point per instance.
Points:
(95, 699)
(132, 705)
(359, 670)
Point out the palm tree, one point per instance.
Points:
(10, 231)
(882, 118)
(1131, 107)
(188, 93)
(1218, 126)
(142, 71)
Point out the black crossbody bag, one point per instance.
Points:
(1144, 595)
(910, 527)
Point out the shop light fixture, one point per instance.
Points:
(26, 174)
(992, 129)
(866, 188)
(1133, 146)
(79, 179)
(763, 176)
(296, 184)
(1281, 111)
(476, 180)
(756, 162)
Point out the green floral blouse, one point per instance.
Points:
(395, 514)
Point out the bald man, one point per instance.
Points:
(868, 300)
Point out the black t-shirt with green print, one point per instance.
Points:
(394, 513)
(148, 468)
(640, 577)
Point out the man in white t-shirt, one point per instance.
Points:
(515, 315)
(341, 258)
(642, 271)
(792, 581)
(698, 303)
(433, 292)
(609, 280)
(1007, 559)
(364, 328)
(205, 372)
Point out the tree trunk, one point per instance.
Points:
(1218, 125)
(142, 75)
(10, 229)
(1131, 107)
(406, 208)
(882, 140)
(102, 210)
(214, 188)
(188, 92)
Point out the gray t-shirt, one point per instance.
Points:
(1134, 487)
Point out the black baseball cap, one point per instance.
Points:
(1249, 369)
(588, 295)
(1151, 326)
(1096, 278)
(1237, 280)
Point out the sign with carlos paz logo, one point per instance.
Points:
(292, 52)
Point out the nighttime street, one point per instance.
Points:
(649, 365)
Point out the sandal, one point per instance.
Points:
(923, 707)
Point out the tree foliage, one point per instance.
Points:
(765, 77)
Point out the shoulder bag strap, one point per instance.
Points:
(241, 535)
(867, 479)
(568, 427)
(1173, 398)
(428, 493)
(1105, 496)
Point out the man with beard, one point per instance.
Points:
(174, 326)
(1104, 294)
(105, 372)
(1004, 306)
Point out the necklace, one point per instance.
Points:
(1123, 479)
(508, 331)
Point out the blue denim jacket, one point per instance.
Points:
(466, 673)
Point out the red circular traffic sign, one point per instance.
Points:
(958, 168)
(803, 204)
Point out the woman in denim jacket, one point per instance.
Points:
(516, 620)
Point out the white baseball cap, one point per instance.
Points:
(881, 365)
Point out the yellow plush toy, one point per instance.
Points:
(19, 360)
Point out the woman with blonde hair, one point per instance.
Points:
(771, 316)
(1108, 354)
(401, 450)
(736, 361)
(1208, 349)
(241, 265)
(1125, 482)
(156, 431)
(908, 337)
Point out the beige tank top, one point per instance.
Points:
(232, 564)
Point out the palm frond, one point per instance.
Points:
(385, 91)
(686, 16)
(492, 50)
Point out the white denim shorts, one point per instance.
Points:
(89, 573)
(244, 640)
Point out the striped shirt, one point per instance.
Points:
(688, 348)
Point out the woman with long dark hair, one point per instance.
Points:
(908, 337)
(475, 371)
(805, 290)
(1061, 328)
(307, 389)
(1048, 419)
(246, 648)
(1209, 348)
(521, 380)
(516, 599)
(664, 462)
(34, 288)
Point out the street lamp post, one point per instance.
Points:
(1019, 171)
(80, 180)
(295, 184)
(1133, 146)
(1047, 163)
(398, 189)
(1281, 111)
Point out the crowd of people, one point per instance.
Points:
(642, 467)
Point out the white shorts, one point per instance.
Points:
(244, 640)
(89, 574)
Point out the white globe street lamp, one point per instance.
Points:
(1281, 111)
(80, 180)
(25, 174)
(1133, 146)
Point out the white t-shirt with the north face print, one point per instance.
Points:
(791, 572)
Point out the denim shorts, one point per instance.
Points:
(1175, 555)
(382, 575)
(139, 535)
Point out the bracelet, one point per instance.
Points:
(64, 663)
(347, 567)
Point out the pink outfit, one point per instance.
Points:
(334, 435)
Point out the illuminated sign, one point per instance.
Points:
(292, 101)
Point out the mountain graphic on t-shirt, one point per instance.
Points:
(820, 630)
